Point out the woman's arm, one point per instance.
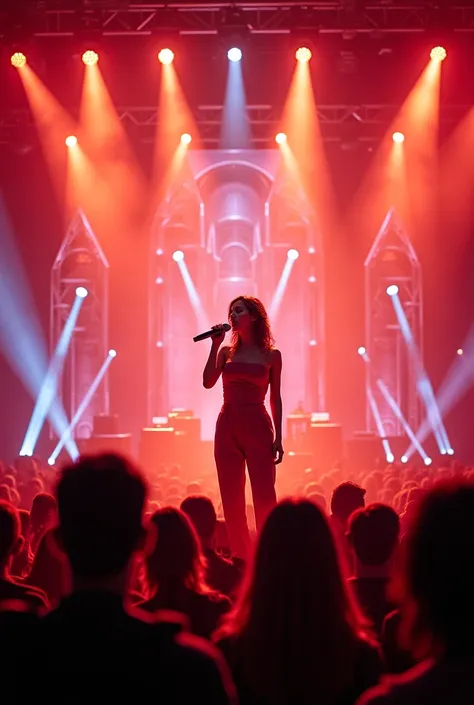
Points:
(276, 403)
(215, 364)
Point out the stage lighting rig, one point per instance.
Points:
(438, 53)
(234, 28)
(233, 20)
(166, 56)
(303, 54)
(18, 60)
(346, 17)
(90, 57)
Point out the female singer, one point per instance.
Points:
(244, 431)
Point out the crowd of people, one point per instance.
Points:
(359, 588)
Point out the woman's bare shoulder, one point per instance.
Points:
(274, 355)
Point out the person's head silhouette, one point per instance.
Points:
(438, 569)
(101, 501)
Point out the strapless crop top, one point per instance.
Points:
(245, 382)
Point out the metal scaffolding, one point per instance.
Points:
(294, 222)
(81, 262)
(177, 225)
(392, 260)
(234, 216)
(17, 125)
(118, 18)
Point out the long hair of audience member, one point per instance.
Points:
(296, 624)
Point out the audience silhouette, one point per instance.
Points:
(175, 571)
(296, 635)
(109, 592)
(93, 645)
(437, 612)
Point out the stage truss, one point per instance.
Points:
(362, 123)
(344, 17)
(81, 262)
(392, 260)
(234, 215)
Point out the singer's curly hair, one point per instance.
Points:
(261, 325)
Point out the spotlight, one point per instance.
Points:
(186, 138)
(361, 351)
(398, 137)
(312, 279)
(159, 252)
(427, 461)
(166, 56)
(303, 55)
(280, 138)
(459, 351)
(71, 141)
(18, 60)
(390, 458)
(90, 58)
(293, 255)
(313, 343)
(178, 256)
(159, 343)
(392, 290)
(159, 280)
(438, 54)
(112, 353)
(311, 250)
(234, 54)
(404, 459)
(81, 292)
(51, 461)
(450, 451)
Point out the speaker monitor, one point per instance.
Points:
(364, 451)
(157, 447)
(325, 440)
(120, 443)
(105, 425)
(189, 427)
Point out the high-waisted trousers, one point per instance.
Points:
(244, 435)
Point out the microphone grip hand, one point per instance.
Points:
(219, 335)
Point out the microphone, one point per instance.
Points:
(209, 333)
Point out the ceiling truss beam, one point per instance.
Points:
(339, 122)
(120, 17)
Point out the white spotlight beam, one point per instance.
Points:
(458, 380)
(21, 336)
(49, 387)
(234, 54)
(423, 383)
(399, 414)
(81, 408)
(375, 410)
(292, 256)
(194, 297)
(380, 428)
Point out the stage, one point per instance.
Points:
(151, 172)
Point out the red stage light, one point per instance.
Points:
(303, 55)
(438, 53)
(18, 60)
(90, 58)
(166, 56)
